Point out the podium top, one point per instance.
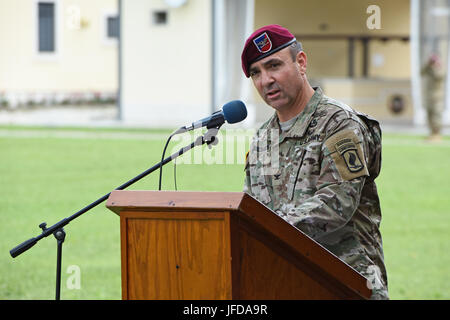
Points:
(173, 200)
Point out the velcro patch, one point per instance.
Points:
(346, 150)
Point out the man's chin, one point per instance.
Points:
(277, 105)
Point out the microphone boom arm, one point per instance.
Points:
(209, 138)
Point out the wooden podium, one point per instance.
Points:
(221, 245)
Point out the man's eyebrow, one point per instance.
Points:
(265, 64)
(268, 62)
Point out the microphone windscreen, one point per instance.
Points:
(234, 111)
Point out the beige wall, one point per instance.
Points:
(321, 17)
(166, 78)
(389, 63)
(84, 61)
(373, 97)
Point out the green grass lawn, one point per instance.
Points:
(49, 174)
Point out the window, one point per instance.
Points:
(46, 27)
(112, 27)
(159, 17)
(110, 31)
(46, 32)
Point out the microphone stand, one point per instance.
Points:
(57, 229)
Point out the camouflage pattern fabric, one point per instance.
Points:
(319, 176)
(434, 95)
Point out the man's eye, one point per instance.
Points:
(253, 73)
(274, 65)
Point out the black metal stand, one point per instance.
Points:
(60, 235)
(57, 229)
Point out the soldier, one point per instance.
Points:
(433, 76)
(315, 160)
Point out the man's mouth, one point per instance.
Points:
(272, 94)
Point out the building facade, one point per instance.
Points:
(58, 51)
(170, 62)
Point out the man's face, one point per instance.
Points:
(278, 78)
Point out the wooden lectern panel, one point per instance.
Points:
(222, 245)
(264, 273)
(268, 269)
(177, 255)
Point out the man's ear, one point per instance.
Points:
(301, 59)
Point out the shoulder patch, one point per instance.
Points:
(346, 150)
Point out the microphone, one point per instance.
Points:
(232, 112)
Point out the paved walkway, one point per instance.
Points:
(107, 116)
(77, 116)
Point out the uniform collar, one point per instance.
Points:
(300, 126)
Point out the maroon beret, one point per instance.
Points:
(263, 42)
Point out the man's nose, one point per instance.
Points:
(266, 78)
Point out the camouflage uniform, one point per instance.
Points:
(319, 176)
(434, 93)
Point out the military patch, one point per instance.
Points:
(352, 161)
(346, 150)
(263, 43)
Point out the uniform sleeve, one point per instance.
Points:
(343, 171)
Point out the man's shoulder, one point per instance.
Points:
(330, 107)
(333, 113)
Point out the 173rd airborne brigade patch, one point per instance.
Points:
(346, 151)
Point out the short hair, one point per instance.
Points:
(294, 49)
